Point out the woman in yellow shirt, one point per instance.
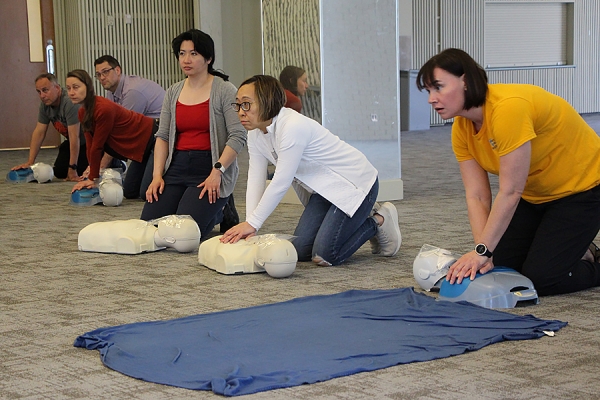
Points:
(547, 210)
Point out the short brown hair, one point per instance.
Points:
(270, 95)
(458, 63)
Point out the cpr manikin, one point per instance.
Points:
(431, 266)
(111, 188)
(39, 172)
(500, 288)
(136, 236)
(109, 191)
(270, 253)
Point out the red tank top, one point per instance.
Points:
(193, 126)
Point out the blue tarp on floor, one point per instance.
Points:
(304, 340)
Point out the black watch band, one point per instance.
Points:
(73, 166)
(482, 250)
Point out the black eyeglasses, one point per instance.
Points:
(104, 72)
(244, 106)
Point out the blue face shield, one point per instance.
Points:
(85, 197)
(500, 288)
(23, 175)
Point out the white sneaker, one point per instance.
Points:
(375, 247)
(388, 234)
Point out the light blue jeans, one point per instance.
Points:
(326, 231)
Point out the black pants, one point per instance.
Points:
(61, 164)
(147, 176)
(181, 195)
(545, 242)
(135, 171)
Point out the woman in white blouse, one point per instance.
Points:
(335, 182)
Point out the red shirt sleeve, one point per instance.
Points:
(104, 121)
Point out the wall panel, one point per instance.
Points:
(426, 31)
(586, 53)
(136, 33)
(462, 29)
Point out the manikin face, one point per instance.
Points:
(108, 76)
(76, 90)
(190, 61)
(49, 93)
(447, 94)
(302, 84)
(250, 119)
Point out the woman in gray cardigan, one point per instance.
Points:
(198, 140)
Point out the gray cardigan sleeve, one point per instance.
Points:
(224, 120)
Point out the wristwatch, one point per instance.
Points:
(220, 167)
(482, 250)
(73, 166)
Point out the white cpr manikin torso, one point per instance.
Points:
(136, 236)
(259, 253)
(229, 258)
(131, 236)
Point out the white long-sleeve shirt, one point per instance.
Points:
(311, 158)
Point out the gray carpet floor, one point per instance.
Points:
(50, 293)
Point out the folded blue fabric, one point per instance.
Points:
(305, 340)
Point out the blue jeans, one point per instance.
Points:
(326, 231)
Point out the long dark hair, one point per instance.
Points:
(203, 44)
(289, 78)
(89, 103)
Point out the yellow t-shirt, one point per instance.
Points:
(565, 150)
